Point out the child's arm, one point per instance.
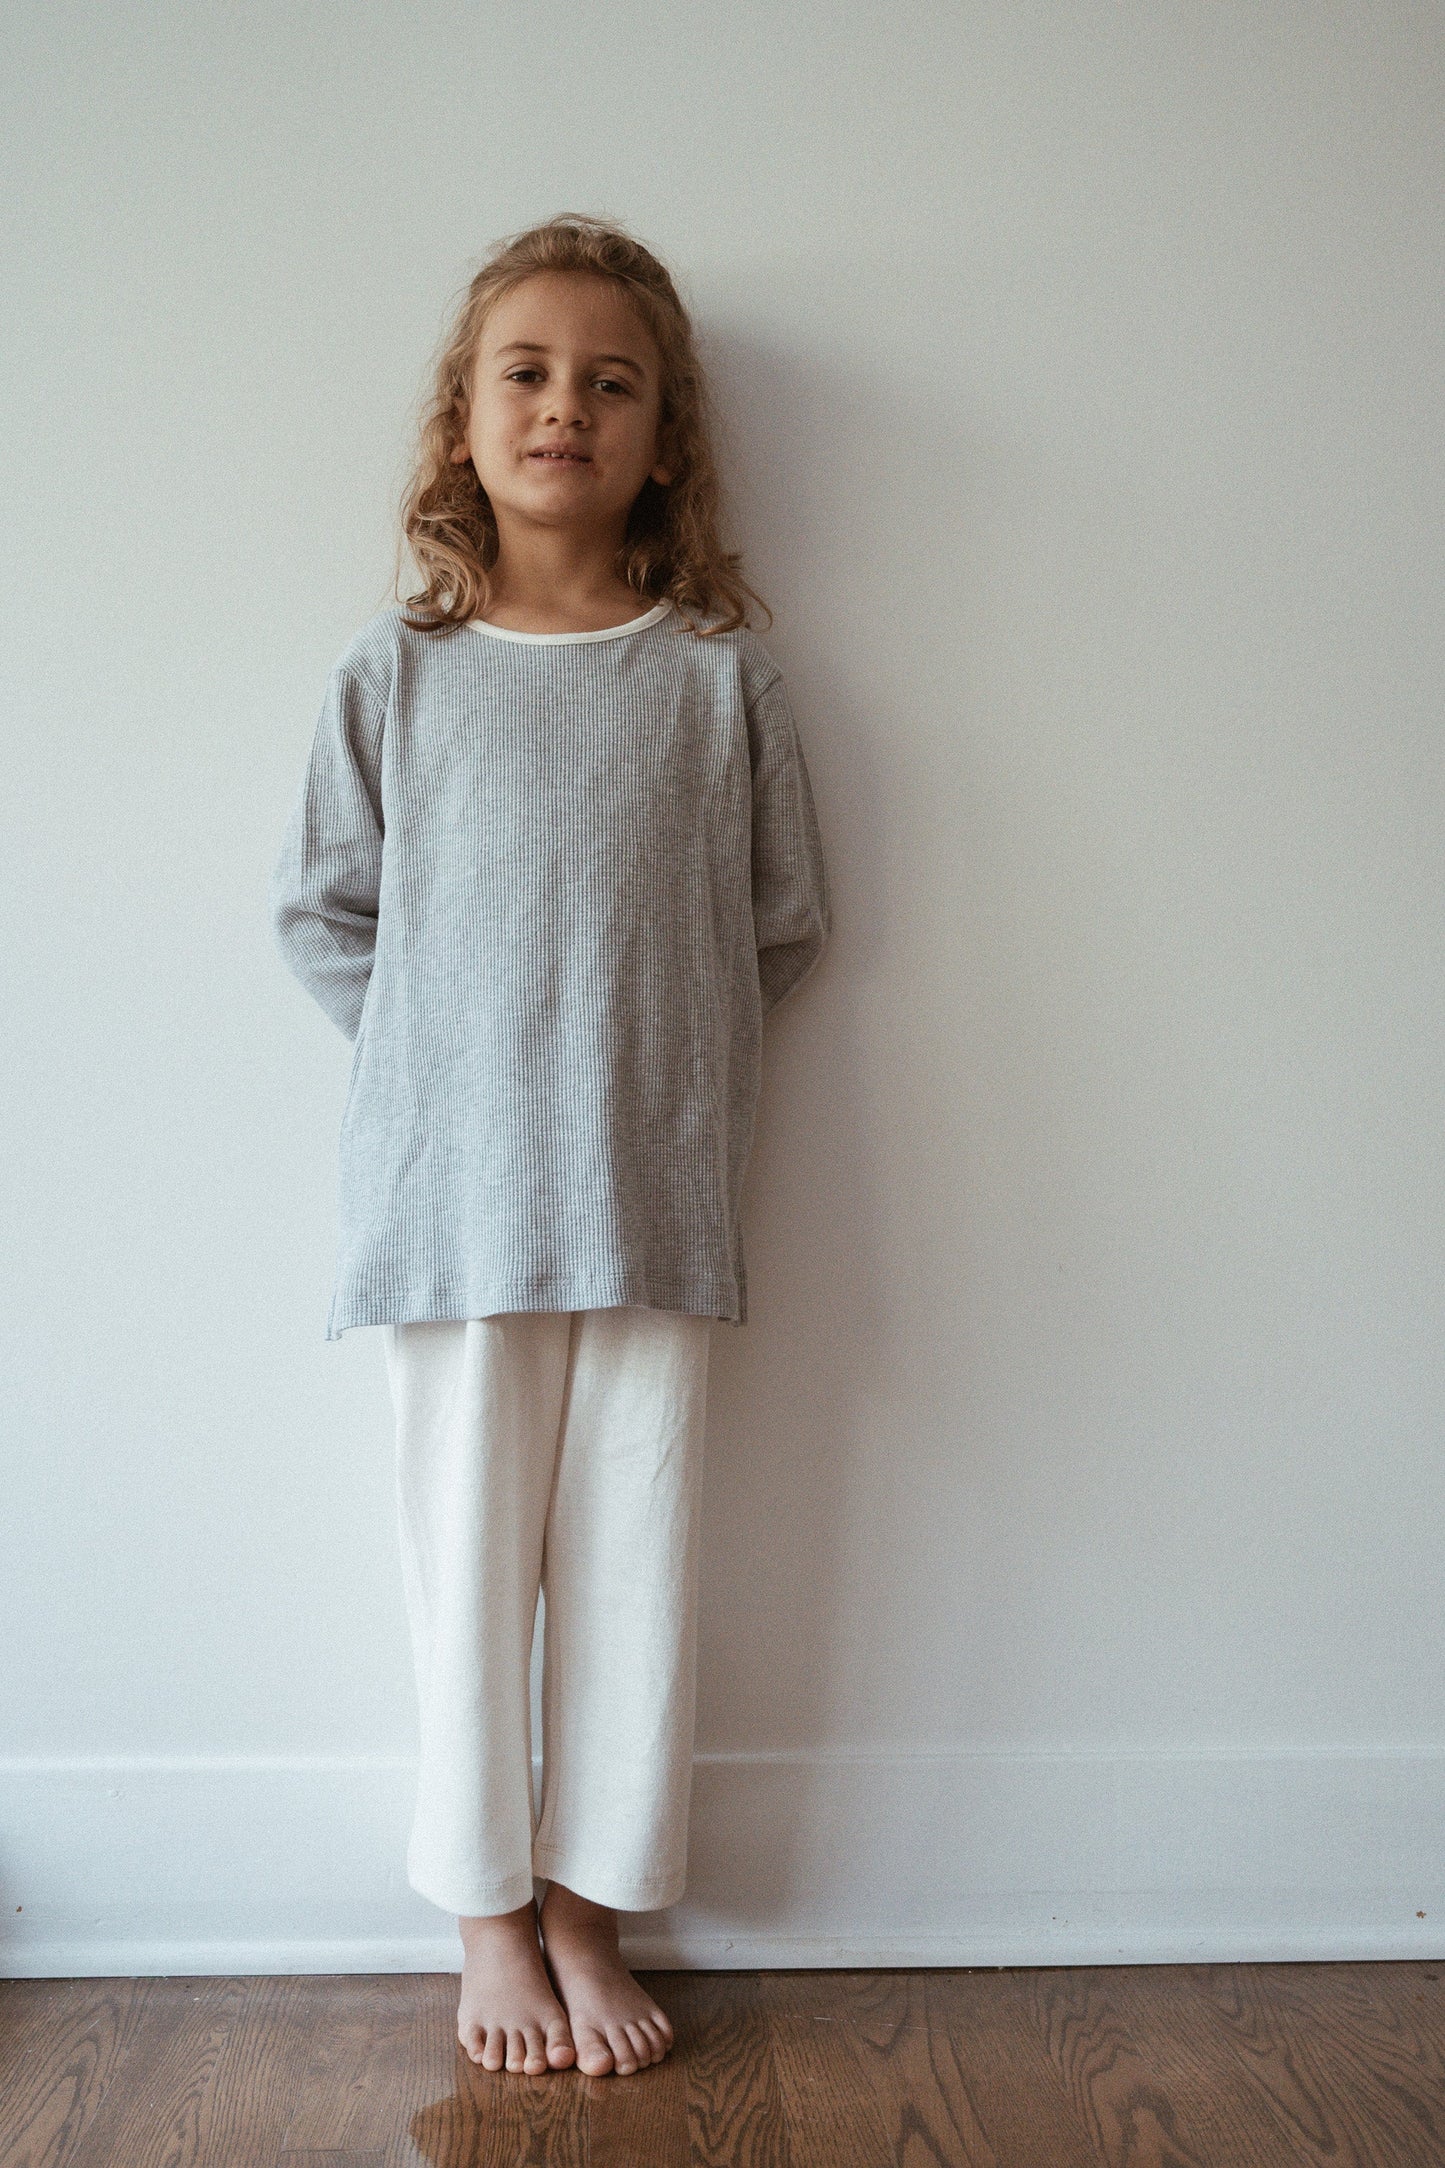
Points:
(325, 889)
(790, 885)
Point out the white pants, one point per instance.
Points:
(562, 1450)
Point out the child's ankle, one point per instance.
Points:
(521, 1921)
(558, 1900)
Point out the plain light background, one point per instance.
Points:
(1072, 1577)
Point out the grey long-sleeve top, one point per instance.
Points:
(550, 884)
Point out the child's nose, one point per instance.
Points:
(567, 404)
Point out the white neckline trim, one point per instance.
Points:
(556, 639)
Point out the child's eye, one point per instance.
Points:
(516, 376)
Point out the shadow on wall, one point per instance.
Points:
(863, 520)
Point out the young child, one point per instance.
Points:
(554, 858)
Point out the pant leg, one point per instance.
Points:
(478, 1403)
(620, 1574)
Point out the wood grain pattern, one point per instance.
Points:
(1326, 2047)
(1020, 2098)
(63, 2044)
(1213, 2082)
(645, 2119)
(734, 2101)
(160, 2107)
(367, 2071)
(919, 2076)
(1128, 2113)
(1154, 2066)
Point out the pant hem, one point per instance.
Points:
(654, 1894)
(477, 1901)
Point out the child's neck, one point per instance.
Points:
(560, 589)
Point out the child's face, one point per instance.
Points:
(564, 362)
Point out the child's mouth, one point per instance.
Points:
(562, 459)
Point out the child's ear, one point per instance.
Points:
(664, 444)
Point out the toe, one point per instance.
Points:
(655, 2041)
(473, 2039)
(535, 2044)
(645, 2041)
(494, 2048)
(624, 2054)
(516, 2048)
(594, 2056)
(561, 2052)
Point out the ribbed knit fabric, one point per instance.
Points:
(550, 885)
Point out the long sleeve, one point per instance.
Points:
(325, 889)
(791, 915)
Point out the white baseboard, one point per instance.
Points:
(131, 1866)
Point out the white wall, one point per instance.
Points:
(1072, 1582)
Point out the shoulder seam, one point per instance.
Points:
(353, 671)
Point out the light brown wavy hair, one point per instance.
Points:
(673, 548)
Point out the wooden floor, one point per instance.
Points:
(1154, 2066)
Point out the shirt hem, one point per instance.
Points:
(428, 1305)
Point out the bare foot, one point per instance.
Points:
(508, 2017)
(615, 2024)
